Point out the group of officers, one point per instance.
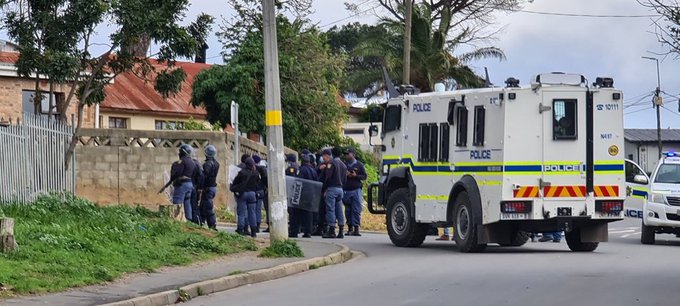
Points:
(195, 187)
(342, 184)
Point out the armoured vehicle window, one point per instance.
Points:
(424, 142)
(564, 119)
(434, 142)
(478, 137)
(461, 130)
(392, 118)
(444, 149)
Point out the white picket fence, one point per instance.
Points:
(32, 155)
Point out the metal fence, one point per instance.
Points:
(32, 155)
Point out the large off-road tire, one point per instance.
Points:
(401, 223)
(518, 239)
(648, 234)
(575, 244)
(465, 225)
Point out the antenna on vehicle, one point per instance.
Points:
(487, 81)
(389, 85)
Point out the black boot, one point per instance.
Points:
(257, 229)
(253, 231)
(356, 232)
(318, 231)
(350, 230)
(330, 232)
(246, 232)
(340, 233)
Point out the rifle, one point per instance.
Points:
(165, 186)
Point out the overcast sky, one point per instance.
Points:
(535, 43)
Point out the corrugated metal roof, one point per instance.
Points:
(129, 93)
(9, 57)
(649, 135)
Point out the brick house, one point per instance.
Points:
(16, 93)
(133, 103)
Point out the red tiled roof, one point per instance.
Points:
(129, 93)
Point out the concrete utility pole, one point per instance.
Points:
(278, 206)
(237, 133)
(406, 78)
(658, 102)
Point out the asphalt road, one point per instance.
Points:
(620, 272)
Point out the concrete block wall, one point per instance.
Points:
(120, 171)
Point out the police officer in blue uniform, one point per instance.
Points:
(335, 175)
(261, 193)
(197, 182)
(308, 172)
(244, 187)
(209, 187)
(180, 175)
(353, 195)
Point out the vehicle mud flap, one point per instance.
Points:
(482, 234)
(595, 233)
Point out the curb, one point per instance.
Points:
(191, 291)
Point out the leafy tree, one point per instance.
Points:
(55, 39)
(343, 40)
(668, 27)
(309, 73)
(431, 55)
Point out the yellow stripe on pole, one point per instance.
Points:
(274, 118)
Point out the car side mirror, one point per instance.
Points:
(373, 130)
(641, 179)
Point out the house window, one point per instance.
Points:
(461, 130)
(28, 105)
(564, 119)
(169, 125)
(118, 123)
(478, 133)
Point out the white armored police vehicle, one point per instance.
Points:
(499, 163)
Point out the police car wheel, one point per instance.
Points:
(648, 234)
(401, 224)
(465, 226)
(575, 244)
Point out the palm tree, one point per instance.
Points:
(432, 60)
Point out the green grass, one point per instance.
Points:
(67, 242)
(237, 272)
(287, 248)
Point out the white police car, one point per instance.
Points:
(661, 212)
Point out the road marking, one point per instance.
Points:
(621, 231)
(628, 235)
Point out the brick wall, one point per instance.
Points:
(130, 166)
(11, 89)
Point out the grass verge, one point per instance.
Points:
(287, 248)
(67, 242)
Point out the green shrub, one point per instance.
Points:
(286, 248)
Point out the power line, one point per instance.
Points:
(583, 15)
(670, 110)
(351, 16)
(636, 111)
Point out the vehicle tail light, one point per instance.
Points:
(609, 206)
(516, 207)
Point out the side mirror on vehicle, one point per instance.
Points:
(641, 179)
(373, 130)
(375, 114)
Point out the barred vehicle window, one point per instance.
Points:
(461, 129)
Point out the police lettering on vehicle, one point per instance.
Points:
(562, 168)
(422, 107)
(480, 154)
